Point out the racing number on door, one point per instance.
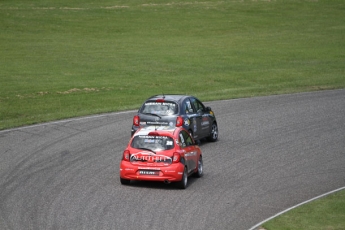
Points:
(202, 117)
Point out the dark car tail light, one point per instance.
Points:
(126, 155)
(176, 157)
(179, 121)
(160, 100)
(136, 120)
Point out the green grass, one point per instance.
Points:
(61, 59)
(327, 213)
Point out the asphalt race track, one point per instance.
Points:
(273, 153)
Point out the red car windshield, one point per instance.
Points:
(160, 108)
(154, 143)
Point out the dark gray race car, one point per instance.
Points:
(178, 110)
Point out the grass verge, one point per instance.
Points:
(326, 213)
(73, 58)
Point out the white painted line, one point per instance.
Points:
(67, 120)
(130, 111)
(280, 213)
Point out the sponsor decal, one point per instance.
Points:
(160, 103)
(186, 122)
(152, 137)
(145, 172)
(149, 141)
(157, 123)
(169, 143)
(205, 121)
(190, 154)
(150, 157)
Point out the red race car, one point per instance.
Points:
(162, 153)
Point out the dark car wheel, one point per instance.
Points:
(214, 133)
(200, 171)
(125, 181)
(183, 183)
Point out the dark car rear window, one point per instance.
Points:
(160, 108)
(155, 143)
